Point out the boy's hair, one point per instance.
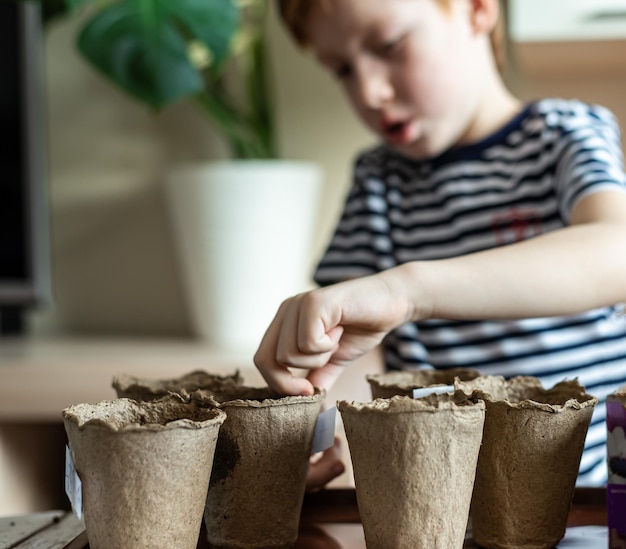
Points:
(295, 13)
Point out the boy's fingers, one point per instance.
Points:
(281, 380)
(325, 377)
(325, 469)
(277, 375)
(281, 350)
(301, 343)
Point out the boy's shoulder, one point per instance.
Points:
(542, 121)
(568, 114)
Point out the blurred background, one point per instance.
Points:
(114, 262)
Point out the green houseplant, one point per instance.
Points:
(243, 227)
(212, 52)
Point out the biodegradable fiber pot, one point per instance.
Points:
(150, 389)
(403, 382)
(414, 465)
(144, 469)
(529, 460)
(261, 462)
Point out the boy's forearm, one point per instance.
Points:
(564, 272)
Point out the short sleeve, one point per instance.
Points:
(591, 158)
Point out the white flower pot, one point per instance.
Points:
(244, 230)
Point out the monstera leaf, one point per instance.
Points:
(143, 45)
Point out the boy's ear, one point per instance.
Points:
(484, 15)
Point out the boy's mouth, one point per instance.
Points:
(395, 127)
(398, 132)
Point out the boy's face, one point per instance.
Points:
(407, 67)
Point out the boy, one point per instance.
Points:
(481, 233)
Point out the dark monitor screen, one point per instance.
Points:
(24, 226)
(14, 260)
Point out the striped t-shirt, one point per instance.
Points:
(520, 182)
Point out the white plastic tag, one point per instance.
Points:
(73, 485)
(419, 393)
(324, 435)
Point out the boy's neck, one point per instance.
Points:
(495, 108)
(501, 109)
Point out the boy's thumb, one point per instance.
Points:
(334, 334)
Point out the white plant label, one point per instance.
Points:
(324, 435)
(73, 485)
(419, 393)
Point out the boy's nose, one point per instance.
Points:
(374, 87)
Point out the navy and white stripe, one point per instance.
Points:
(520, 182)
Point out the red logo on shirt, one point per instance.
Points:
(515, 225)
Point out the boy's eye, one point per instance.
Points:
(342, 71)
(390, 46)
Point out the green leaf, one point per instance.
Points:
(213, 22)
(75, 5)
(142, 44)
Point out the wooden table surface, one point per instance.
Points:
(330, 520)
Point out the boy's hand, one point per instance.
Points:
(325, 329)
